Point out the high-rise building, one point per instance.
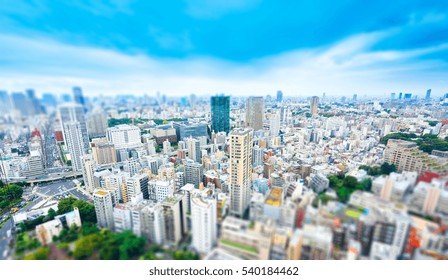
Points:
(21, 103)
(314, 102)
(75, 113)
(153, 223)
(174, 218)
(428, 94)
(255, 112)
(88, 169)
(220, 112)
(193, 173)
(34, 103)
(203, 223)
(279, 96)
(257, 155)
(274, 127)
(5, 102)
(392, 96)
(124, 136)
(97, 124)
(136, 185)
(240, 170)
(75, 143)
(35, 164)
(78, 97)
(355, 97)
(104, 208)
(104, 153)
(194, 149)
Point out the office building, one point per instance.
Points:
(220, 113)
(189, 129)
(75, 113)
(240, 170)
(279, 96)
(103, 153)
(97, 124)
(74, 141)
(314, 103)
(124, 136)
(255, 112)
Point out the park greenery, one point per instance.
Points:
(427, 143)
(86, 210)
(10, 194)
(375, 170)
(344, 186)
(113, 122)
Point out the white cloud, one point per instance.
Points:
(344, 68)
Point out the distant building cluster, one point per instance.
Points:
(277, 178)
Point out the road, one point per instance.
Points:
(63, 187)
(5, 239)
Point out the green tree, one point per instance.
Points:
(41, 254)
(387, 168)
(86, 210)
(86, 246)
(350, 182)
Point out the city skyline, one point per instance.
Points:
(305, 51)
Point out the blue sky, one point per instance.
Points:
(238, 47)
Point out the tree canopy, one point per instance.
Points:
(86, 210)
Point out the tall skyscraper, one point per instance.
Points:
(428, 94)
(34, 103)
(355, 97)
(220, 111)
(104, 208)
(88, 168)
(314, 102)
(5, 102)
(255, 112)
(279, 96)
(74, 141)
(392, 96)
(240, 170)
(21, 103)
(400, 95)
(72, 112)
(78, 97)
(203, 223)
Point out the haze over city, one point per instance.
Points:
(237, 47)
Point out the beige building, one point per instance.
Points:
(314, 102)
(247, 240)
(104, 153)
(240, 170)
(406, 156)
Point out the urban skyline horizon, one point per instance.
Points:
(419, 94)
